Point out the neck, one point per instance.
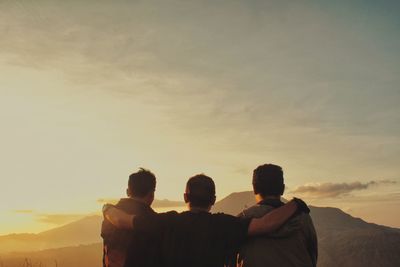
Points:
(142, 200)
(199, 209)
(261, 198)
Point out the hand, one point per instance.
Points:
(106, 207)
(301, 205)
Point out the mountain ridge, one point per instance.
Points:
(343, 239)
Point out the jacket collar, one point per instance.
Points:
(276, 203)
(133, 201)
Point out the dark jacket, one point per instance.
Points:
(294, 244)
(121, 246)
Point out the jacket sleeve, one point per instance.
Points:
(312, 241)
(107, 230)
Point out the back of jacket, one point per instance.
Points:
(117, 243)
(294, 244)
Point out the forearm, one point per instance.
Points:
(119, 218)
(272, 220)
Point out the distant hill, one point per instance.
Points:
(81, 232)
(235, 203)
(344, 241)
(84, 231)
(75, 256)
(348, 241)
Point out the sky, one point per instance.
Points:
(92, 90)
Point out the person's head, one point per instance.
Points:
(141, 185)
(200, 192)
(268, 181)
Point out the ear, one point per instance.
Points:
(213, 200)
(186, 197)
(128, 192)
(150, 198)
(283, 189)
(255, 190)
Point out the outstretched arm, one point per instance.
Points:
(117, 217)
(272, 220)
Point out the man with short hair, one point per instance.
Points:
(121, 246)
(197, 238)
(294, 244)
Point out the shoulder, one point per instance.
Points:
(154, 220)
(297, 224)
(305, 220)
(156, 216)
(224, 219)
(228, 221)
(302, 217)
(170, 213)
(128, 205)
(256, 211)
(223, 216)
(233, 228)
(166, 217)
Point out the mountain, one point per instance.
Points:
(342, 239)
(84, 231)
(348, 241)
(235, 203)
(75, 256)
(81, 232)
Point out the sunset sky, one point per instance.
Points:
(92, 90)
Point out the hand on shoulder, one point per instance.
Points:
(301, 205)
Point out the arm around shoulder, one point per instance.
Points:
(272, 220)
(117, 217)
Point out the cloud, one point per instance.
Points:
(163, 203)
(107, 200)
(139, 57)
(51, 218)
(58, 219)
(23, 211)
(330, 190)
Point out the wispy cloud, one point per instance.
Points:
(23, 211)
(330, 190)
(107, 200)
(158, 203)
(51, 218)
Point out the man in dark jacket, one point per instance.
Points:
(294, 244)
(128, 248)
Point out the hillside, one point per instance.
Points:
(234, 203)
(75, 256)
(81, 232)
(84, 231)
(343, 240)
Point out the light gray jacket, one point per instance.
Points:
(294, 244)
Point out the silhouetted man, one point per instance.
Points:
(196, 237)
(130, 247)
(294, 244)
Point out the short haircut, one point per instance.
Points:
(141, 183)
(200, 190)
(268, 180)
